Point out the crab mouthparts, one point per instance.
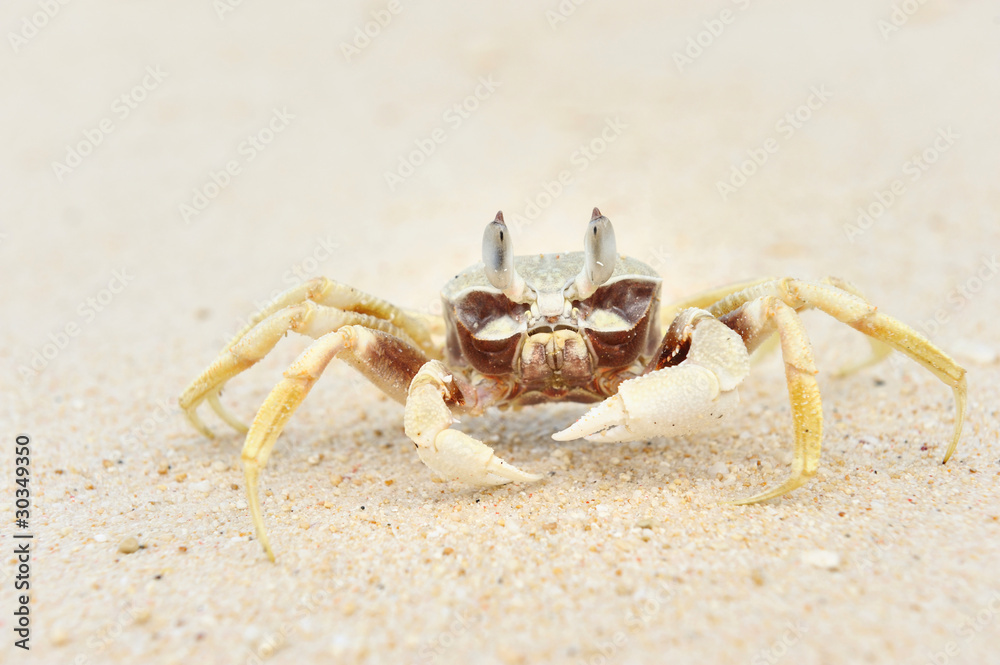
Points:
(550, 304)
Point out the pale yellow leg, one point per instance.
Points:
(702, 300)
(278, 408)
(388, 361)
(849, 308)
(866, 318)
(307, 318)
(879, 350)
(321, 290)
(803, 391)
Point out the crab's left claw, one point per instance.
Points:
(455, 455)
(676, 400)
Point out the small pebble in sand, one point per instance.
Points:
(128, 545)
(821, 559)
(719, 470)
(336, 479)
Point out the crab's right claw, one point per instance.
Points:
(667, 402)
(600, 423)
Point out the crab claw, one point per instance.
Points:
(667, 402)
(457, 456)
(603, 420)
(451, 454)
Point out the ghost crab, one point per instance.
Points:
(580, 326)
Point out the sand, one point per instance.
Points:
(167, 167)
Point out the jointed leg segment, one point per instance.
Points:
(383, 358)
(756, 320)
(755, 313)
(314, 308)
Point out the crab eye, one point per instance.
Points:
(602, 251)
(498, 254)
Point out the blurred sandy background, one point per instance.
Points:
(115, 295)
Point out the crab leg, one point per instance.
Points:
(861, 315)
(756, 320)
(879, 350)
(669, 312)
(389, 362)
(306, 318)
(454, 455)
(325, 291)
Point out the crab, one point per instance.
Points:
(579, 327)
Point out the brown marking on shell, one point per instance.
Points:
(675, 346)
(387, 361)
(753, 331)
(467, 318)
(634, 302)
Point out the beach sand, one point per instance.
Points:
(168, 167)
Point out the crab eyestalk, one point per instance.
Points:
(599, 260)
(498, 258)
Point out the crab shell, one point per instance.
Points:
(556, 347)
